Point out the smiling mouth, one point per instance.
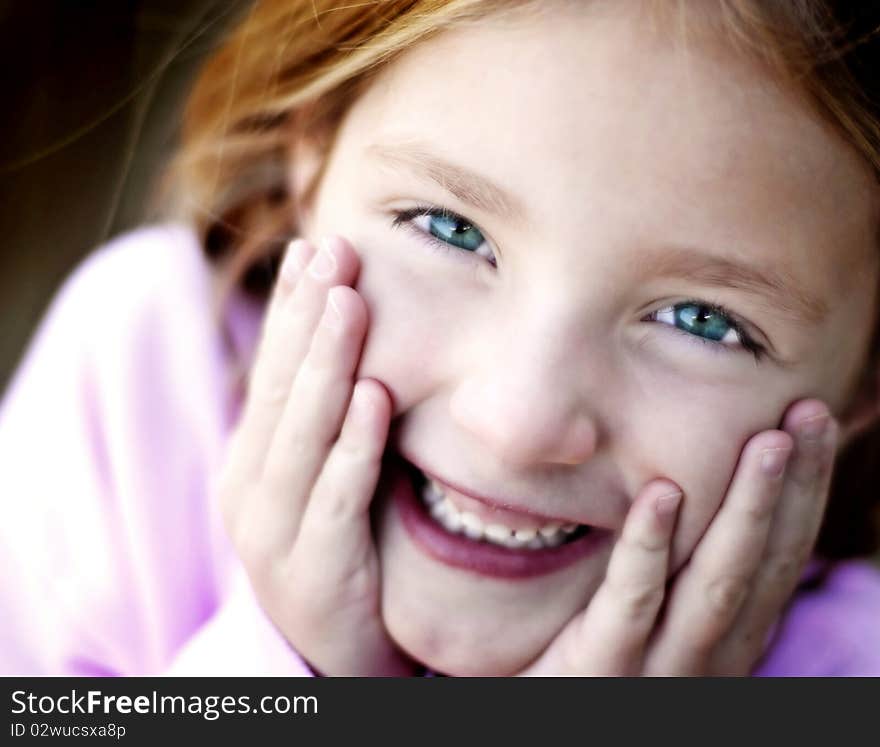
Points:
(527, 534)
(488, 548)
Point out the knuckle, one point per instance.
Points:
(781, 571)
(359, 584)
(806, 471)
(358, 456)
(750, 641)
(641, 540)
(268, 391)
(335, 508)
(345, 454)
(783, 568)
(742, 651)
(761, 507)
(798, 550)
(323, 352)
(314, 367)
(637, 601)
(351, 446)
(725, 595)
(702, 644)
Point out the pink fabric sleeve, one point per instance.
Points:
(113, 557)
(239, 640)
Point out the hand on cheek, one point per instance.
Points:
(303, 467)
(714, 615)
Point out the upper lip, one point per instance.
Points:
(503, 503)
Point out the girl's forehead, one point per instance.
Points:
(696, 141)
(573, 75)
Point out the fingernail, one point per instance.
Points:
(292, 264)
(813, 428)
(667, 504)
(324, 263)
(773, 461)
(332, 316)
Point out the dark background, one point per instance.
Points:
(91, 94)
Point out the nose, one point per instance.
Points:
(524, 412)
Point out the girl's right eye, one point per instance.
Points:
(443, 229)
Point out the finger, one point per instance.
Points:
(288, 332)
(609, 637)
(333, 565)
(253, 428)
(327, 586)
(709, 591)
(336, 525)
(792, 536)
(314, 411)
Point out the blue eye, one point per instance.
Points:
(709, 324)
(444, 229)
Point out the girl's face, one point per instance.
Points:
(553, 348)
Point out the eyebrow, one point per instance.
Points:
(696, 265)
(468, 186)
(770, 283)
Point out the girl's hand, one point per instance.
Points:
(303, 465)
(721, 606)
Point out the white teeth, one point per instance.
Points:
(473, 527)
(452, 521)
(440, 509)
(514, 542)
(444, 512)
(497, 533)
(432, 493)
(448, 515)
(525, 535)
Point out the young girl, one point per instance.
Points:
(578, 314)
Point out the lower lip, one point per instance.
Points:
(482, 557)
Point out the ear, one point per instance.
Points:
(863, 411)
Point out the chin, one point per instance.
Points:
(452, 631)
(454, 657)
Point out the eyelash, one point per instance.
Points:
(404, 218)
(746, 341)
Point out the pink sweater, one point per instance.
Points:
(113, 556)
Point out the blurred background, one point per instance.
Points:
(91, 91)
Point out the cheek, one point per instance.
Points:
(418, 318)
(694, 433)
(411, 339)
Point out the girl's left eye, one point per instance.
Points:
(708, 324)
(442, 229)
